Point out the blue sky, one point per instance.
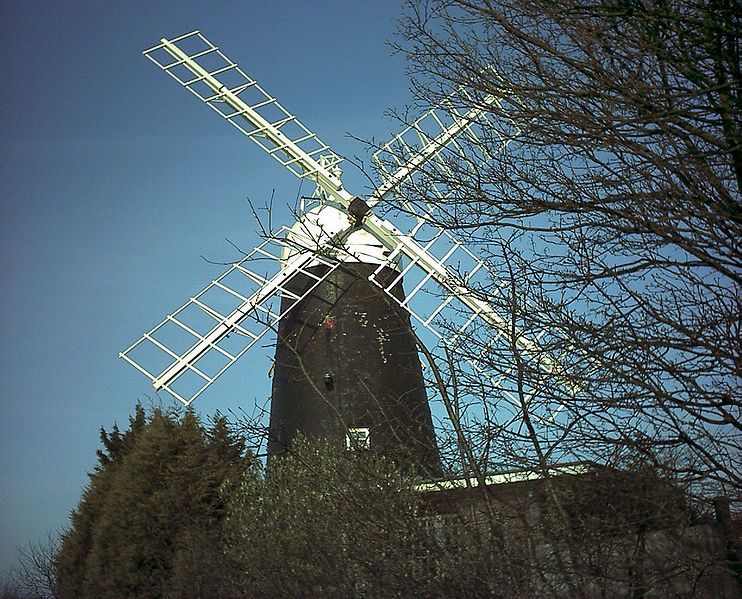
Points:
(115, 182)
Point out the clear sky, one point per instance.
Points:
(115, 181)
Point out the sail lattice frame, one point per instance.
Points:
(205, 71)
(194, 345)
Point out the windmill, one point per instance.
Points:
(331, 285)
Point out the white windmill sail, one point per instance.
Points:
(205, 71)
(194, 345)
(191, 347)
(460, 318)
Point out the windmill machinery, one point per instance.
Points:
(331, 285)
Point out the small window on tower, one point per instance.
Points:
(358, 438)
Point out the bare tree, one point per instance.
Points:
(36, 573)
(602, 191)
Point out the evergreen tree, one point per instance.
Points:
(153, 509)
(77, 541)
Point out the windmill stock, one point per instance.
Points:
(331, 285)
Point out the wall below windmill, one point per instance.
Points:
(346, 359)
(616, 536)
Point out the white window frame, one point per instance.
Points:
(358, 438)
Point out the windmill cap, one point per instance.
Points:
(320, 224)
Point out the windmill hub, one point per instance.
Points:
(358, 209)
